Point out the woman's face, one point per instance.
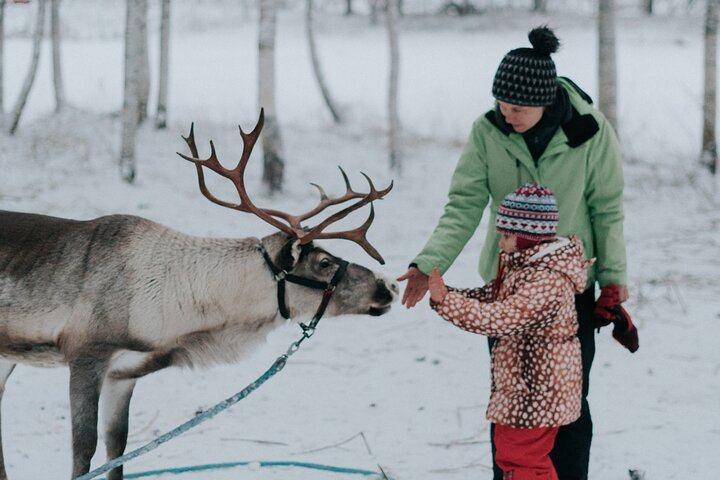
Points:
(520, 118)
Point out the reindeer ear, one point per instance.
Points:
(290, 255)
(295, 251)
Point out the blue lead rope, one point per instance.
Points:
(280, 362)
(207, 414)
(218, 466)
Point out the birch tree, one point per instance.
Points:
(607, 73)
(393, 118)
(273, 162)
(131, 101)
(144, 66)
(2, 62)
(709, 156)
(647, 6)
(374, 6)
(32, 72)
(540, 6)
(57, 65)
(317, 70)
(161, 115)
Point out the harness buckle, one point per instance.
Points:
(308, 330)
(280, 275)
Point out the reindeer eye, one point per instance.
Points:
(325, 263)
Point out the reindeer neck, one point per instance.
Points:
(219, 297)
(219, 279)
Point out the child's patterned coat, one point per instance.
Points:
(536, 365)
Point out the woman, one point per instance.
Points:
(543, 129)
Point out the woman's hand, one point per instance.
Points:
(438, 290)
(416, 288)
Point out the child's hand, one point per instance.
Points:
(437, 287)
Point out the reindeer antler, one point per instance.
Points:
(290, 224)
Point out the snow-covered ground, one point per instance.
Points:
(406, 391)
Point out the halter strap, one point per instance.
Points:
(281, 276)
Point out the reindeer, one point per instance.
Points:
(118, 297)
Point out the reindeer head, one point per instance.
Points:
(291, 254)
(359, 290)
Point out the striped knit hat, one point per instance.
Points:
(527, 76)
(530, 212)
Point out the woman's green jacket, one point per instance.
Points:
(582, 165)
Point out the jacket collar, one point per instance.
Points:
(578, 128)
(549, 248)
(529, 255)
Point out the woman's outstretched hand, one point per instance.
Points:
(417, 286)
(437, 287)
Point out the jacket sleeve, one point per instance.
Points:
(534, 305)
(467, 198)
(604, 197)
(481, 294)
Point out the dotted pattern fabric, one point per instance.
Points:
(536, 365)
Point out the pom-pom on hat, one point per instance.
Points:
(530, 212)
(527, 76)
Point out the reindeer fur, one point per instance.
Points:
(119, 297)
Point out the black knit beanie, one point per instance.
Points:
(527, 76)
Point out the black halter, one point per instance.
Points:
(282, 276)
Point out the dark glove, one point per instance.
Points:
(610, 297)
(624, 331)
(608, 309)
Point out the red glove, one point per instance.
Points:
(624, 331)
(610, 296)
(608, 309)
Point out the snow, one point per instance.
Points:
(406, 391)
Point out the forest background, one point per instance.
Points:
(405, 391)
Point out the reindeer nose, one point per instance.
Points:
(393, 287)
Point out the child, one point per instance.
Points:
(530, 312)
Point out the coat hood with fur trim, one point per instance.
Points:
(564, 255)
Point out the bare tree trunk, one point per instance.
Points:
(2, 62)
(709, 156)
(648, 7)
(607, 92)
(30, 78)
(57, 65)
(348, 7)
(161, 116)
(540, 6)
(374, 5)
(144, 59)
(133, 70)
(310, 30)
(273, 164)
(393, 118)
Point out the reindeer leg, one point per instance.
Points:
(86, 375)
(115, 398)
(6, 369)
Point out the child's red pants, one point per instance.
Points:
(524, 453)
